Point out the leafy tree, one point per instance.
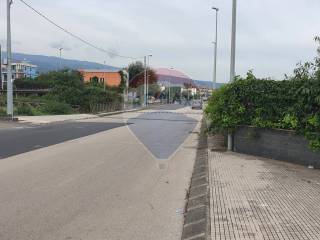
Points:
(29, 83)
(136, 71)
(67, 86)
(154, 90)
(92, 95)
(123, 82)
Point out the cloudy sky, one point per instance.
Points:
(272, 35)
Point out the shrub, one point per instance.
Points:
(28, 83)
(288, 104)
(3, 112)
(67, 86)
(292, 104)
(56, 108)
(25, 109)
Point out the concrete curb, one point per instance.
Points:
(9, 119)
(99, 115)
(197, 217)
(119, 112)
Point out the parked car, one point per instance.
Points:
(196, 104)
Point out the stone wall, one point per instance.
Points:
(275, 144)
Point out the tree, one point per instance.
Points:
(67, 86)
(92, 95)
(123, 82)
(154, 90)
(136, 71)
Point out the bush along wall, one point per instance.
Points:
(291, 104)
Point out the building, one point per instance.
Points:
(174, 78)
(204, 91)
(20, 70)
(107, 77)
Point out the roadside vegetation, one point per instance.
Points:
(291, 104)
(63, 92)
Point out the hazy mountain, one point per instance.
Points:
(207, 84)
(46, 63)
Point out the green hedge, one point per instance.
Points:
(292, 104)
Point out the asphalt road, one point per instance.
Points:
(166, 107)
(104, 184)
(24, 138)
(162, 132)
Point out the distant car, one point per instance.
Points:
(196, 104)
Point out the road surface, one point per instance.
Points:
(99, 178)
(27, 138)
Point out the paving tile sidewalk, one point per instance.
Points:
(255, 198)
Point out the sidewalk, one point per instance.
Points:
(255, 198)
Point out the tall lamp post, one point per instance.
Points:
(215, 50)
(233, 41)
(233, 58)
(1, 80)
(170, 80)
(145, 81)
(60, 52)
(148, 66)
(9, 62)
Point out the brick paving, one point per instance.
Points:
(255, 198)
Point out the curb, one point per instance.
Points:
(197, 223)
(119, 112)
(9, 119)
(99, 115)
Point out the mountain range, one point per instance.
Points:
(47, 63)
(207, 84)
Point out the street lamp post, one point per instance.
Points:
(148, 66)
(1, 67)
(215, 50)
(233, 41)
(9, 62)
(233, 58)
(60, 52)
(145, 81)
(170, 80)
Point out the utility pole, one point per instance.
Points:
(233, 58)
(148, 66)
(215, 50)
(1, 79)
(127, 86)
(145, 81)
(169, 91)
(60, 64)
(9, 62)
(170, 79)
(233, 41)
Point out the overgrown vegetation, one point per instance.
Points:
(292, 104)
(66, 93)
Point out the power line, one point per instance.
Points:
(74, 35)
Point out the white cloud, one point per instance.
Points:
(272, 35)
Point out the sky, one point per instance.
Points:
(272, 35)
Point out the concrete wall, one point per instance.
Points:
(276, 144)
